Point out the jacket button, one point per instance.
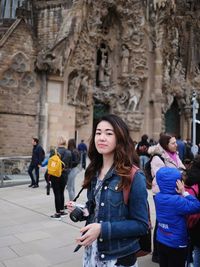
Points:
(101, 239)
(116, 187)
(105, 187)
(102, 204)
(102, 256)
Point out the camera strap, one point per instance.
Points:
(95, 192)
(96, 189)
(78, 194)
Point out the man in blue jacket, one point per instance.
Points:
(82, 148)
(38, 155)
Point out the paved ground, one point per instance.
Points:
(29, 238)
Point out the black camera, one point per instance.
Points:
(78, 213)
(48, 188)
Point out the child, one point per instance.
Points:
(192, 185)
(172, 205)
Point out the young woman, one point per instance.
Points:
(110, 236)
(167, 149)
(74, 168)
(58, 183)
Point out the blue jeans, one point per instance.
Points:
(196, 261)
(143, 161)
(71, 182)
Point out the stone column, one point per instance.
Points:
(43, 111)
(157, 120)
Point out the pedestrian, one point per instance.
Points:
(164, 154)
(172, 204)
(110, 236)
(58, 183)
(192, 185)
(38, 156)
(74, 168)
(82, 148)
(188, 149)
(181, 148)
(142, 150)
(44, 164)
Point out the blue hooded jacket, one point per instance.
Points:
(172, 208)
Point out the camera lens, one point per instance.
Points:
(76, 215)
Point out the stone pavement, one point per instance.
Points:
(30, 238)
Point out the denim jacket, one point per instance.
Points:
(121, 224)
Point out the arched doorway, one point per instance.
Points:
(172, 119)
(100, 109)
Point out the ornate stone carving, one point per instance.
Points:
(20, 63)
(9, 79)
(78, 88)
(125, 59)
(54, 58)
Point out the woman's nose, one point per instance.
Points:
(102, 137)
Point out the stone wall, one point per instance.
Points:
(14, 165)
(19, 92)
(135, 57)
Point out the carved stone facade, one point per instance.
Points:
(135, 56)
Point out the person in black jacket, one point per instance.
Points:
(36, 161)
(58, 183)
(142, 149)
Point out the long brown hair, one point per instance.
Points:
(165, 139)
(124, 156)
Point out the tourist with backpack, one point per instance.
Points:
(76, 158)
(163, 154)
(192, 185)
(58, 167)
(37, 158)
(113, 226)
(173, 204)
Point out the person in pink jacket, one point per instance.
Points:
(164, 154)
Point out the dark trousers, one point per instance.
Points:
(46, 177)
(34, 181)
(171, 257)
(155, 243)
(58, 185)
(83, 159)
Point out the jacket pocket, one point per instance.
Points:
(115, 197)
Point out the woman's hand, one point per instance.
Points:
(89, 234)
(70, 205)
(180, 187)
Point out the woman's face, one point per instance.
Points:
(105, 138)
(172, 146)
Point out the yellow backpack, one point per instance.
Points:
(55, 165)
